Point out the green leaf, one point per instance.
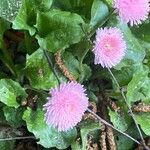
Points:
(86, 128)
(123, 143)
(143, 120)
(31, 44)
(98, 13)
(138, 81)
(26, 18)
(58, 29)
(124, 76)
(49, 137)
(10, 91)
(4, 25)
(135, 51)
(142, 32)
(120, 121)
(73, 66)
(7, 145)
(9, 9)
(2, 117)
(109, 2)
(81, 7)
(65, 4)
(14, 116)
(38, 71)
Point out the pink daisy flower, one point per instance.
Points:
(65, 107)
(109, 47)
(132, 11)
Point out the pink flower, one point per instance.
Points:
(65, 107)
(132, 11)
(109, 47)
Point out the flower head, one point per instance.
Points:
(132, 11)
(109, 47)
(65, 107)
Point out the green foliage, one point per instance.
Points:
(144, 122)
(49, 137)
(139, 81)
(29, 27)
(86, 128)
(3, 26)
(9, 9)
(10, 91)
(135, 52)
(7, 145)
(26, 18)
(58, 29)
(80, 73)
(120, 121)
(14, 116)
(143, 32)
(98, 12)
(40, 77)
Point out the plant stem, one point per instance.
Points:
(51, 65)
(111, 126)
(90, 44)
(100, 24)
(88, 36)
(17, 138)
(8, 63)
(129, 108)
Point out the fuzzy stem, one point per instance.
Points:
(88, 36)
(111, 126)
(100, 24)
(89, 41)
(17, 138)
(51, 65)
(8, 63)
(129, 108)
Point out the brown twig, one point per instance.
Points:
(141, 107)
(129, 109)
(105, 101)
(87, 115)
(103, 137)
(91, 145)
(110, 138)
(113, 105)
(62, 67)
(109, 125)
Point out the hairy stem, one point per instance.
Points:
(8, 63)
(89, 35)
(51, 66)
(129, 108)
(101, 23)
(17, 138)
(111, 126)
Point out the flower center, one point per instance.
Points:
(69, 107)
(108, 46)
